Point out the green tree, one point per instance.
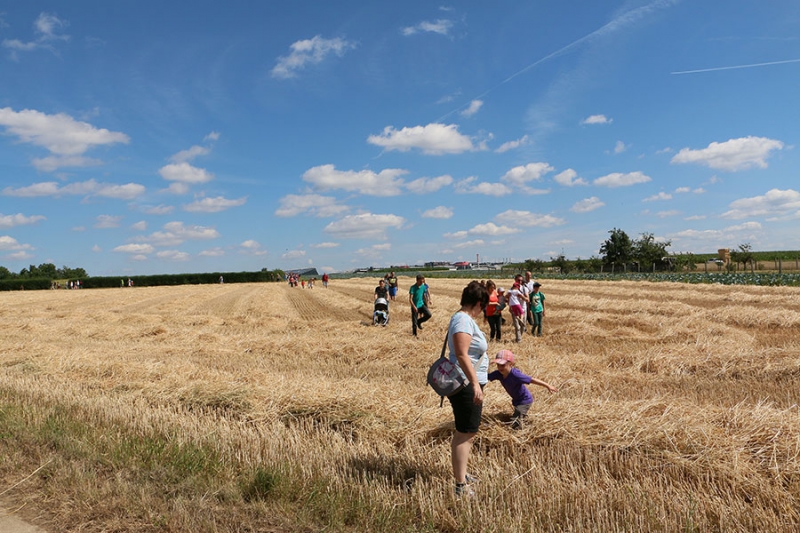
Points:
(47, 270)
(744, 255)
(650, 252)
(561, 263)
(534, 265)
(617, 249)
(5, 273)
(595, 264)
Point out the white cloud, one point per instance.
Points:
(107, 221)
(670, 213)
(312, 204)
(63, 136)
(135, 249)
(441, 26)
(469, 244)
(511, 145)
(387, 182)
(474, 107)
(293, 254)
(569, 178)
(251, 247)
(213, 205)
(528, 219)
(46, 27)
(521, 175)
(620, 147)
(139, 226)
(489, 229)
(127, 191)
(660, 196)
(212, 252)
(429, 185)
(213, 136)
(723, 235)
(184, 156)
(774, 202)
(469, 186)
(695, 217)
(8, 243)
(586, 205)
(158, 209)
(309, 52)
(175, 233)
(618, 179)
(173, 255)
(185, 173)
(364, 226)
(375, 251)
(732, 155)
(9, 221)
(433, 139)
(597, 119)
(681, 190)
(96, 249)
(438, 212)
(324, 245)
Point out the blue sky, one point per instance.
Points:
(163, 137)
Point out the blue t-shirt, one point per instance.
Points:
(463, 323)
(514, 384)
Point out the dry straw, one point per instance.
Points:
(228, 407)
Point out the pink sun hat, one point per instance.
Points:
(503, 357)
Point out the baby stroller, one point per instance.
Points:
(380, 314)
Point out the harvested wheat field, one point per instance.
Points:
(257, 407)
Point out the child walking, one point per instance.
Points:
(514, 381)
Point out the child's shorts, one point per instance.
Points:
(521, 411)
(516, 310)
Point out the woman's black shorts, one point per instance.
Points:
(466, 413)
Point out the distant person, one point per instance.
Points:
(325, 280)
(419, 311)
(527, 284)
(467, 345)
(514, 381)
(393, 285)
(516, 303)
(537, 303)
(381, 291)
(221, 281)
(492, 312)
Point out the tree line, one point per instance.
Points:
(47, 271)
(621, 253)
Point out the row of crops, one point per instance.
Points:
(722, 278)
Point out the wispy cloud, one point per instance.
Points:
(597, 119)
(441, 26)
(473, 108)
(618, 179)
(309, 52)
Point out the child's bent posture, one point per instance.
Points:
(514, 381)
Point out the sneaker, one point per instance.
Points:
(469, 479)
(464, 491)
(419, 327)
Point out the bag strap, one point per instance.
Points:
(444, 347)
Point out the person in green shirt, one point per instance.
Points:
(419, 308)
(537, 305)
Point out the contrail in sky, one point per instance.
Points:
(626, 19)
(737, 66)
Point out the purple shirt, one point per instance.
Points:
(514, 385)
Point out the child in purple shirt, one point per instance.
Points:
(514, 381)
